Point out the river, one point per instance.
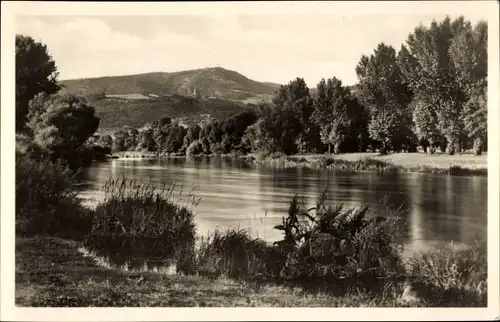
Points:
(438, 209)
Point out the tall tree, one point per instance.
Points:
(36, 72)
(382, 90)
(469, 56)
(175, 138)
(145, 141)
(105, 141)
(61, 125)
(192, 135)
(119, 137)
(295, 104)
(331, 112)
(442, 63)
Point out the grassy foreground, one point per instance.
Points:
(51, 272)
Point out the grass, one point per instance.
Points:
(140, 221)
(464, 164)
(62, 277)
(236, 254)
(450, 276)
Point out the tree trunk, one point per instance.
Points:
(329, 148)
(442, 146)
(336, 148)
(453, 145)
(478, 145)
(425, 148)
(383, 149)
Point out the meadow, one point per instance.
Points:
(459, 164)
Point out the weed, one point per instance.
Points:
(140, 222)
(47, 201)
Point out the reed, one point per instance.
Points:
(142, 219)
(371, 164)
(235, 254)
(450, 277)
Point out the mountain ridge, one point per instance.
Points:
(210, 82)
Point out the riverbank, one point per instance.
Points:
(438, 163)
(63, 277)
(51, 272)
(463, 164)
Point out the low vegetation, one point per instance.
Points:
(448, 276)
(141, 223)
(408, 162)
(65, 278)
(47, 202)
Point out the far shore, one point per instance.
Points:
(459, 164)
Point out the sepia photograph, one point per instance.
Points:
(263, 155)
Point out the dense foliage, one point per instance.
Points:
(60, 126)
(445, 65)
(383, 92)
(47, 202)
(36, 72)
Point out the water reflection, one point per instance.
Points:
(234, 194)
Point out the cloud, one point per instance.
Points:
(266, 48)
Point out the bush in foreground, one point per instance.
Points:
(330, 246)
(139, 222)
(237, 255)
(450, 277)
(332, 249)
(47, 201)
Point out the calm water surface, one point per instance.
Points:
(235, 194)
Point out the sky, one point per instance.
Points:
(273, 48)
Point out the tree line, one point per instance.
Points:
(431, 93)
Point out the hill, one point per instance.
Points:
(116, 112)
(207, 83)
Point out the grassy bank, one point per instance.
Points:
(51, 272)
(438, 163)
(464, 164)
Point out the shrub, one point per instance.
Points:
(139, 222)
(218, 148)
(340, 248)
(366, 164)
(450, 277)
(195, 148)
(236, 254)
(47, 200)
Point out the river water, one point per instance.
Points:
(438, 209)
